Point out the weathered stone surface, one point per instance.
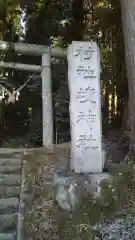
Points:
(95, 183)
(10, 179)
(9, 191)
(10, 161)
(85, 107)
(72, 185)
(8, 202)
(8, 236)
(10, 169)
(7, 221)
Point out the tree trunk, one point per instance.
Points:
(126, 126)
(128, 21)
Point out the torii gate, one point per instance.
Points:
(45, 70)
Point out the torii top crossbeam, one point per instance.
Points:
(32, 49)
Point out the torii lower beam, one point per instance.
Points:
(20, 66)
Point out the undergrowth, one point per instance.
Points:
(44, 219)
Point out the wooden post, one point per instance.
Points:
(47, 100)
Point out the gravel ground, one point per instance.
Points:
(119, 229)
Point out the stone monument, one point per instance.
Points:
(85, 107)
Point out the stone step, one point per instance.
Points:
(10, 161)
(8, 236)
(9, 155)
(10, 169)
(8, 211)
(10, 179)
(9, 191)
(9, 203)
(8, 222)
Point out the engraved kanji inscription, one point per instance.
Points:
(86, 142)
(90, 118)
(86, 94)
(86, 72)
(84, 54)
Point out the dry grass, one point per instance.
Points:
(43, 219)
(39, 169)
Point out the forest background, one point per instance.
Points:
(57, 23)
